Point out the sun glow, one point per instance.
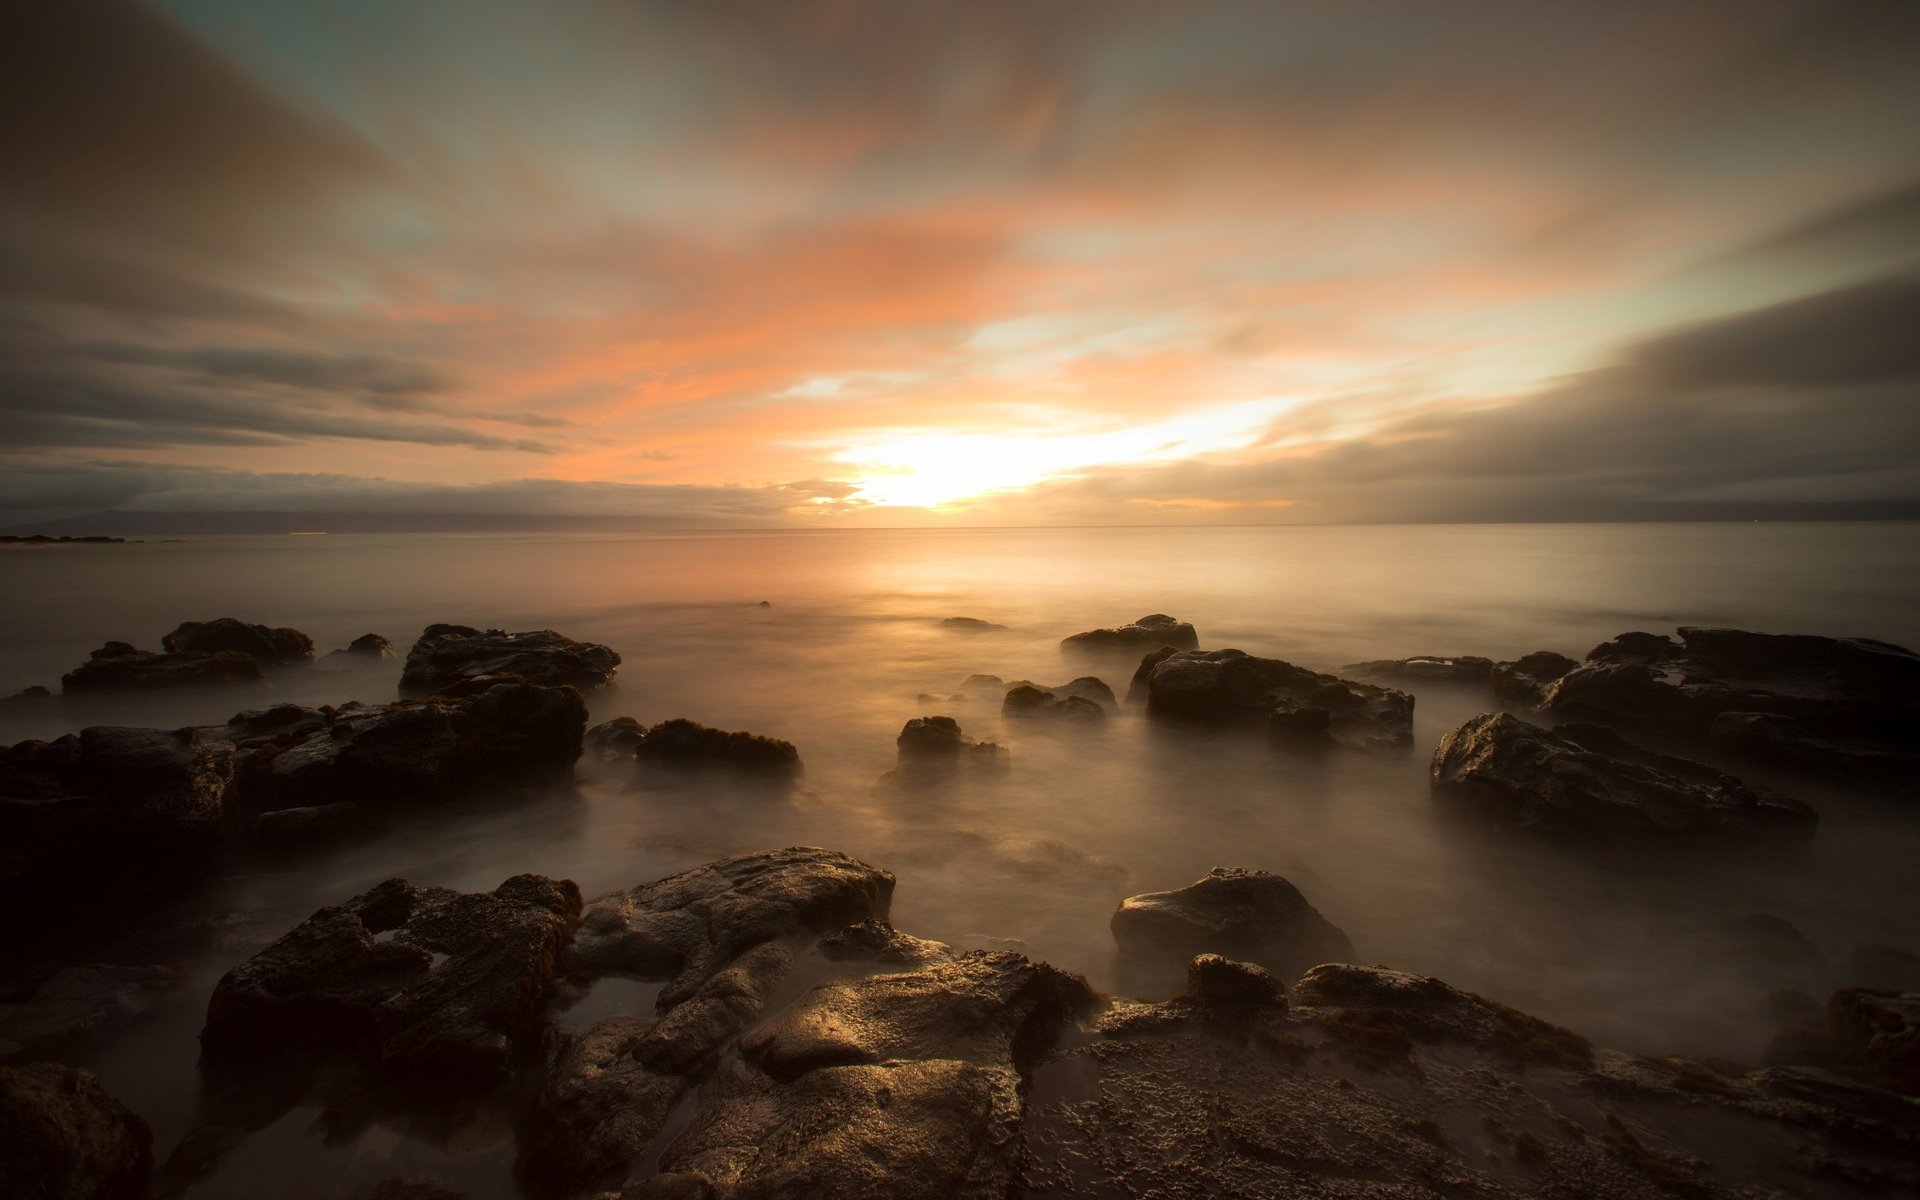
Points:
(937, 470)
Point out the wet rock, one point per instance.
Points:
(117, 666)
(970, 625)
(1587, 779)
(1525, 682)
(270, 647)
(726, 934)
(1031, 702)
(1086, 687)
(368, 647)
(680, 745)
(68, 1139)
(1234, 912)
(1217, 982)
(1153, 630)
(878, 942)
(290, 831)
(447, 654)
(1814, 702)
(486, 733)
(1426, 1010)
(432, 991)
(1226, 687)
(1884, 967)
(81, 1002)
(614, 741)
(935, 746)
(1462, 670)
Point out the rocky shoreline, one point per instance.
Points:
(789, 1040)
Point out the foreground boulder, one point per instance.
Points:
(1231, 911)
(430, 991)
(1226, 687)
(446, 654)
(66, 1138)
(1148, 633)
(1587, 779)
(1815, 702)
(118, 666)
(270, 647)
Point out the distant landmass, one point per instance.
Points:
(139, 524)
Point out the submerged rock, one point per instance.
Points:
(1086, 687)
(1234, 912)
(1147, 633)
(1465, 669)
(271, 647)
(430, 990)
(447, 654)
(681, 745)
(118, 666)
(932, 748)
(67, 1138)
(1224, 687)
(1032, 702)
(1587, 779)
(970, 625)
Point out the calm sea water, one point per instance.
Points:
(1621, 948)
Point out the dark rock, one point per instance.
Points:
(407, 1187)
(983, 683)
(1525, 682)
(1427, 1010)
(1885, 968)
(287, 831)
(1586, 779)
(117, 666)
(271, 647)
(1137, 686)
(1213, 981)
(1880, 1034)
(447, 654)
(1235, 912)
(486, 733)
(1225, 687)
(28, 695)
(1032, 702)
(970, 625)
(81, 1002)
(681, 745)
(764, 604)
(878, 942)
(431, 990)
(1153, 630)
(1463, 670)
(368, 646)
(934, 748)
(66, 1138)
(1771, 946)
(614, 741)
(1087, 687)
(1815, 702)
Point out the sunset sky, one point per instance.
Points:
(981, 263)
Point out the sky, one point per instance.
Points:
(1048, 262)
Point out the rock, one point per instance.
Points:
(904, 1085)
(28, 695)
(407, 1187)
(1425, 1010)
(1880, 1033)
(1814, 702)
(1770, 946)
(1463, 670)
(934, 749)
(1587, 779)
(1885, 968)
(117, 666)
(1225, 687)
(271, 647)
(1153, 630)
(764, 604)
(983, 683)
(447, 654)
(1238, 913)
(484, 734)
(1525, 682)
(81, 1002)
(1216, 982)
(1087, 687)
(288, 831)
(1137, 686)
(67, 1138)
(726, 935)
(614, 741)
(368, 646)
(680, 746)
(1031, 702)
(970, 625)
(432, 991)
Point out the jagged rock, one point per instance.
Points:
(1155, 629)
(1814, 702)
(1587, 779)
(904, 1085)
(1525, 682)
(66, 1138)
(1235, 912)
(1465, 669)
(1232, 687)
(681, 745)
(271, 647)
(434, 991)
(614, 741)
(80, 1002)
(970, 625)
(446, 654)
(486, 731)
(1032, 702)
(726, 934)
(1217, 982)
(118, 666)
(368, 647)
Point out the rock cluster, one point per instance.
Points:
(1228, 687)
(446, 654)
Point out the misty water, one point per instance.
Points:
(1620, 946)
